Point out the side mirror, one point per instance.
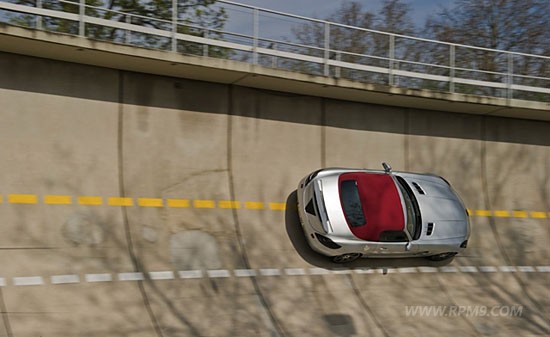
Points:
(387, 167)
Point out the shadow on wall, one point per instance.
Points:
(296, 236)
(45, 76)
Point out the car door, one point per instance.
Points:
(393, 249)
(395, 243)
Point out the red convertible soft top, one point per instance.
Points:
(380, 203)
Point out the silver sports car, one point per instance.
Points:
(350, 213)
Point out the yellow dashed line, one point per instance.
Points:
(229, 204)
(483, 212)
(22, 199)
(538, 215)
(277, 206)
(520, 214)
(204, 204)
(150, 202)
(254, 205)
(89, 200)
(508, 214)
(178, 203)
(58, 200)
(212, 204)
(118, 201)
(501, 214)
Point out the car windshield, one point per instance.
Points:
(414, 220)
(351, 203)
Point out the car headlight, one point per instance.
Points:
(310, 177)
(327, 242)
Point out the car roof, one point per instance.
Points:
(380, 202)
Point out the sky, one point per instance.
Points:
(421, 9)
(240, 19)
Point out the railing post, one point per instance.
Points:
(510, 77)
(128, 33)
(452, 57)
(326, 70)
(274, 58)
(39, 17)
(81, 12)
(205, 34)
(256, 31)
(174, 25)
(337, 70)
(392, 57)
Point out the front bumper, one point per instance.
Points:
(307, 227)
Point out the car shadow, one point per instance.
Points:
(296, 236)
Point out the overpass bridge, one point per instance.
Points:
(146, 192)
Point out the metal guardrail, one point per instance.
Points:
(252, 35)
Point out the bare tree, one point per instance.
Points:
(350, 43)
(394, 17)
(508, 25)
(195, 17)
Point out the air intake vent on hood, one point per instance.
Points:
(430, 229)
(418, 188)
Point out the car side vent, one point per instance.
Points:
(418, 188)
(430, 229)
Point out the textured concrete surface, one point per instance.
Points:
(205, 248)
(93, 52)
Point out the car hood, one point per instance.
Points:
(440, 206)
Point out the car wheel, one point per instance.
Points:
(345, 258)
(441, 257)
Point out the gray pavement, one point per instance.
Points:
(141, 205)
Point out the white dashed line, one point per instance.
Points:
(65, 279)
(161, 275)
(427, 269)
(245, 272)
(28, 281)
(226, 273)
(134, 276)
(295, 271)
(448, 269)
(318, 271)
(270, 272)
(219, 273)
(507, 269)
(98, 277)
(526, 269)
(468, 269)
(364, 271)
(487, 269)
(189, 274)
